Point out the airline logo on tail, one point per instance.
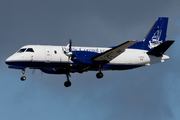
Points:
(155, 40)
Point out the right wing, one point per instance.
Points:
(113, 53)
(85, 60)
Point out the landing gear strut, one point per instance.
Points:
(23, 78)
(99, 74)
(67, 83)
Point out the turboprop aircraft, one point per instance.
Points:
(67, 59)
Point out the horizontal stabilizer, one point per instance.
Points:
(114, 52)
(160, 49)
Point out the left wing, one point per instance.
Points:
(113, 53)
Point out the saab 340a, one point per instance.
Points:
(68, 59)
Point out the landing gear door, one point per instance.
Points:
(48, 55)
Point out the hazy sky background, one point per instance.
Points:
(147, 93)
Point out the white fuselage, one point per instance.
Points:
(48, 55)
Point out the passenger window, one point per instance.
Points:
(21, 50)
(55, 52)
(29, 50)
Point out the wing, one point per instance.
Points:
(113, 53)
(91, 60)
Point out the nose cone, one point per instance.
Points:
(8, 61)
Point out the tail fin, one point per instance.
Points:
(155, 36)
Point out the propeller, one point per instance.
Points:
(70, 43)
(69, 52)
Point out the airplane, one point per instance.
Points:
(70, 59)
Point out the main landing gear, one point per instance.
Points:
(99, 74)
(67, 83)
(23, 78)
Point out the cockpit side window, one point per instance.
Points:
(29, 50)
(21, 50)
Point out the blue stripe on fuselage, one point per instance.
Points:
(66, 65)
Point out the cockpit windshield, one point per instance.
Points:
(21, 50)
(29, 50)
(25, 50)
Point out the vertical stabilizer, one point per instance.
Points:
(155, 36)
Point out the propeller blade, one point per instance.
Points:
(70, 43)
(68, 53)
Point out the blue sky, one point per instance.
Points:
(144, 93)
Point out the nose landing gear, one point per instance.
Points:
(23, 78)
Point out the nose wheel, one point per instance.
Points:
(23, 78)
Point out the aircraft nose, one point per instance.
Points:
(8, 61)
